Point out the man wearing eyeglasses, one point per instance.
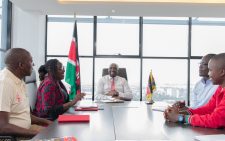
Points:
(204, 88)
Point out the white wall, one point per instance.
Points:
(28, 31)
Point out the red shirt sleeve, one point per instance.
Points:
(208, 107)
(215, 116)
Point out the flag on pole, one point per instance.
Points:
(73, 66)
(150, 88)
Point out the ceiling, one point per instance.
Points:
(52, 7)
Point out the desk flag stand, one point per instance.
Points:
(150, 89)
(149, 100)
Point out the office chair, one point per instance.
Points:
(31, 87)
(121, 72)
(7, 138)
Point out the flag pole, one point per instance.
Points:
(73, 65)
(75, 18)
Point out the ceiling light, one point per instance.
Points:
(145, 1)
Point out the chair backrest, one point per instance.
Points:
(121, 72)
(31, 87)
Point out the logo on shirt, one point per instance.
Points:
(18, 98)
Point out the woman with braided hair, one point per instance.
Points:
(52, 97)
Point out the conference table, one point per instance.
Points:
(131, 120)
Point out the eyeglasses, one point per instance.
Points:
(203, 64)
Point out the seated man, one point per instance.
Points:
(113, 86)
(204, 89)
(15, 117)
(212, 114)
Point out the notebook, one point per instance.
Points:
(217, 137)
(73, 118)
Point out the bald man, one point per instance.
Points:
(204, 89)
(113, 86)
(15, 117)
(211, 115)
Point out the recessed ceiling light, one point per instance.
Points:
(145, 1)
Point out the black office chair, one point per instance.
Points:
(7, 138)
(121, 72)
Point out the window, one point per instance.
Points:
(60, 36)
(2, 55)
(167, 38)
(117, 36)
(194, 70)
(0, 21)
(171, 83)
(5, 28)
(164, 43)
(1, 50)
(208, 36)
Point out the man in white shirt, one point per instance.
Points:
(15, 117)
(113, 86)
(204, 89)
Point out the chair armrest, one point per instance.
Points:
(7, 138)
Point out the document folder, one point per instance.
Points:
(86, 109)
(73, 118)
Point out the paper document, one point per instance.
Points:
(160, 106)
(87, 104)
(217, 137)
(113, 100)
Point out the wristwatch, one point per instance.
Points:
(181, 118)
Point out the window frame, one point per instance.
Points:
(140, 56)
